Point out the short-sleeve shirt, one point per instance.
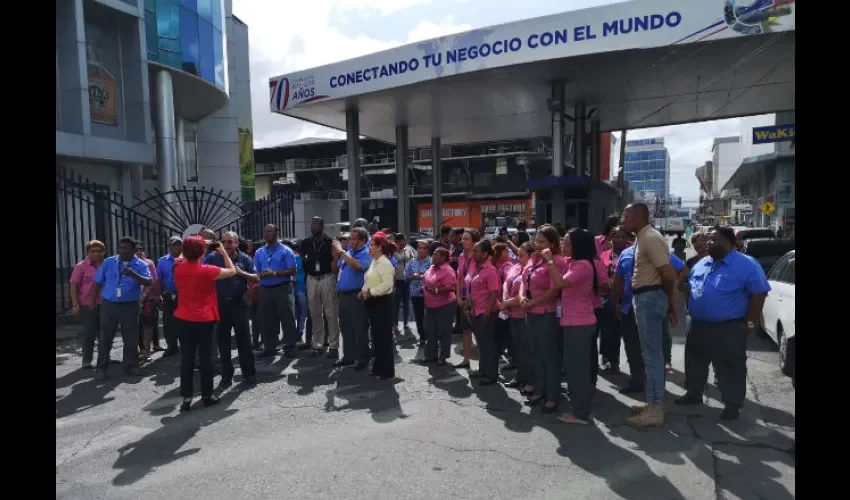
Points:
(83, 276)
(578, 300)
(117, 287)
(651, 252)
(443, 277)
(236, 286)
(602, 279)
(350, 279)
(720, 290)
(537, 280)
(480, 282)
(417, 266)
(197, 300)
(277, 257)
(465, 265)
(513, 280)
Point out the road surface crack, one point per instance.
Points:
(89, 442)
(481, 450)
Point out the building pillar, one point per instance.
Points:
(595, 149)
(578, 139)
(437, 186)
(352, 149)
(166, 145)
(556, 106)
(182, 172)
(402, 190)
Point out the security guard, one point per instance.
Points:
(726, 292)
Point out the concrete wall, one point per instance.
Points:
(305, 210)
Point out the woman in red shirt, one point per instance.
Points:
(197, 314)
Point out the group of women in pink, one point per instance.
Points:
(545, 294)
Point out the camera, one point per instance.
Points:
(213, 246)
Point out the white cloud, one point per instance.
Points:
(280, 44)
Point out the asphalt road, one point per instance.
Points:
(309, 431)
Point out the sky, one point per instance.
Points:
(286, 37)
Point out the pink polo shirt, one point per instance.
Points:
(443, 277)
(480, 282)
(465, 265)
(83, 275)
(513, 279)
(600, 244)
(578, 300)
(602, 277)
(536, 278)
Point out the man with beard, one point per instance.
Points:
(726, 293)
(317, 256)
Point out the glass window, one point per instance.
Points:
(218, 58)
(150, 5)
(216, 14)
(168, 19)
(777, 269)
(189, 42)
(192, 5)
(205, 43)
(205, 9)
(150, 36)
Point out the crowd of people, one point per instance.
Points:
(549, 307)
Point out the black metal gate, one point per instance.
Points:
(88, 211)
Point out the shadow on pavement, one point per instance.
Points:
(85, 395)
(364, 392)
(160, 447)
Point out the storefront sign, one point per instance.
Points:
(102, 96)
(773, 133)
(473, 213)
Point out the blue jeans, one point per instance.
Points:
(651, 313)
(301, 306)
(402, 298)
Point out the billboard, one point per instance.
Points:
(639, 24)
(773, 133)
(475, 213)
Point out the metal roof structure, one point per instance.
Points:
(641, 63)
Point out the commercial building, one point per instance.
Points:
(647, 170)
(726, 155)
(152, 94)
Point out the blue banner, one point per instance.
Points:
(773, 133)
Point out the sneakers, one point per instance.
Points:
(650, 416)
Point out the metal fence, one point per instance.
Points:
(88, 211)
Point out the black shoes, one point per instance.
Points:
(730, 413)
(689, 399)
(343, 362)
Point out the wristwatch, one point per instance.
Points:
(751, 325)
(550, 261)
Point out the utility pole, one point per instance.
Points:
(621, 202)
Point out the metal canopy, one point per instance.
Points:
(645, 79)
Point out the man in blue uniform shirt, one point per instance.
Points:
(165, 285)
(351, 266)
(233, 311)
(275, 265)
(726, 292)
(120, 278)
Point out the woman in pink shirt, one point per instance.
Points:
(82, 283)
(539, 299)
(580, 288)
(483, 287)
(510, 305)
(465, 265)
(603, 241)
(438, 287)
(502, 262)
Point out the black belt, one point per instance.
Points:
(348, 292)
(644, 289)
(322, 275)
(276, 286)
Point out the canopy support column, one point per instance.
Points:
(352, 149)
(578, 137)
(595, 149)
(402, 190)
(437, 190)
(556, 106)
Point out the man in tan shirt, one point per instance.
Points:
(654, 297)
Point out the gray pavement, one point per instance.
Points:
(309, 431)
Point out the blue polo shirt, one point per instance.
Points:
(278, 257)
(164, 271)
(625, 269)
(234, 287)
(111, 276)
(349, 279)
(720, 290)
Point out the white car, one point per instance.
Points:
(778, 318)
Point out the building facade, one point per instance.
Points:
(152, 94)
(726, 155)
(647, 169)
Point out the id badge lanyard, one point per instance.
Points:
(118, 291)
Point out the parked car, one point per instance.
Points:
(744, 233)
(767, 251)
(778, 319)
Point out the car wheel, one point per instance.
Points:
(786, 352)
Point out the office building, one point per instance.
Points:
(647, 169)
(153, 94)
(726, 156)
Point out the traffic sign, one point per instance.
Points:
(768, 208)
